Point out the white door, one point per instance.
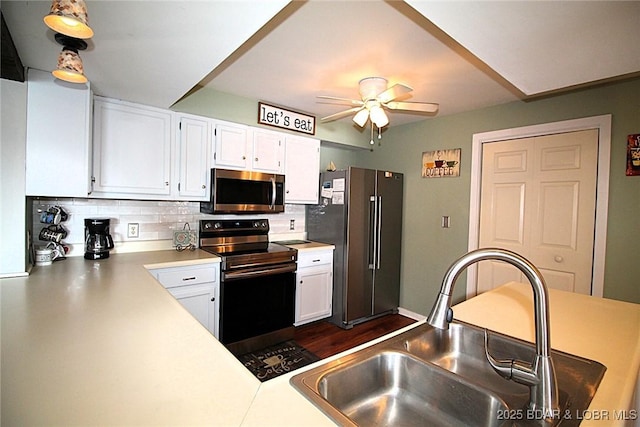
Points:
(538, 199)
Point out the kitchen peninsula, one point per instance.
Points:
(102, 342)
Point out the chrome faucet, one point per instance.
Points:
(539, 375)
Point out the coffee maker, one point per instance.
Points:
(97, 239)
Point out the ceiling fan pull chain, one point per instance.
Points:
(371, 142)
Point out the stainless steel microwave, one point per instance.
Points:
(234, 191)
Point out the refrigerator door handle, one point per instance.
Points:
(373, 241)
(378, 232)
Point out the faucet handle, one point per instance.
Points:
(511, 369)
(449, 315)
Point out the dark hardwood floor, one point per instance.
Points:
(325, 339)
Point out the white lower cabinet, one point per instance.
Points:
(314, 285)
(197, 288)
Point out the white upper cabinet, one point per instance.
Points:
(302, 169)
(132, 150)
(246, 148)
(58, 146)
(231, 146)
(194, 136)
(268, 152)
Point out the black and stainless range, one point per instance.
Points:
(257, 289)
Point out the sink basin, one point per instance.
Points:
(428, 376)
(416, 393)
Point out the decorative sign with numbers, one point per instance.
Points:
(286, 119)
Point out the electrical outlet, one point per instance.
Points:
(133, 230)
(292, 224)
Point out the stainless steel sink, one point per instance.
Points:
(415, 393)
(429, 376)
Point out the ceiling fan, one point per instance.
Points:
(376, 96)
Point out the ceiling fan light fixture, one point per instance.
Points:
(70, 68)
(378, 116)
(361, 117)
(69, 17)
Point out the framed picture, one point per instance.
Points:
(441, 163)
(633, 155)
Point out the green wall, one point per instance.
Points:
(223, 106)
(428, 249)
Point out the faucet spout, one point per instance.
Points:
(539, 376)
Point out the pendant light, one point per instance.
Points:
(69, 17)
(70, 66)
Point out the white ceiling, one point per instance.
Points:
(462, 55)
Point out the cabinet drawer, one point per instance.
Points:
(172, 277)
(310, 259)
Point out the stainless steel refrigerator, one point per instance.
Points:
(360, 212)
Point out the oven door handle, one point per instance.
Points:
(244, 274)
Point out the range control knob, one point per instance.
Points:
(217, 225)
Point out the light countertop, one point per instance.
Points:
(599, 329)
(102, 342)
(309, 246)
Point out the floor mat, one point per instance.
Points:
(277, 359)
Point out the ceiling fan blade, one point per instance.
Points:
(393, 92)
(424, 107)
(344, 100)
(341, 114)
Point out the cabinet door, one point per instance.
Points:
(200, 302)
(231, 146)
(268, 154)
(195, 146)
(302, 170)
(313, 294)
(132, 149)
(58, 146)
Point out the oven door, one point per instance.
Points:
(256, 301)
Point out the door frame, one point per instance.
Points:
(603, 124)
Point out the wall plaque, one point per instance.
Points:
(286, 119)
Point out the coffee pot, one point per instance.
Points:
(97, 239)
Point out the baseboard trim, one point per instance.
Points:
(410, 314)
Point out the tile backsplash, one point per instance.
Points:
(157, 221)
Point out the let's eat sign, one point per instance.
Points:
(286, 119)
